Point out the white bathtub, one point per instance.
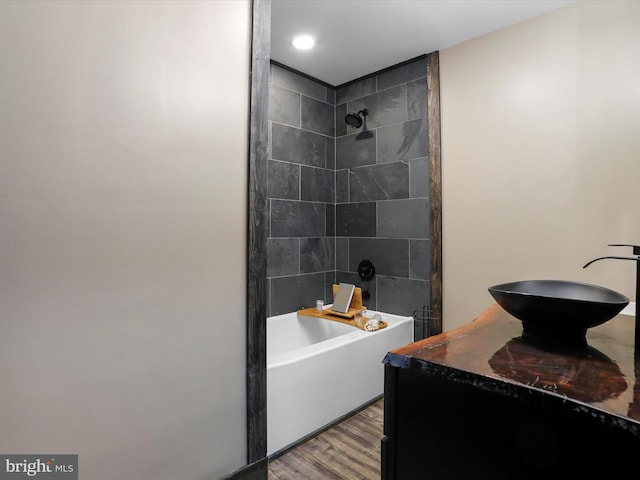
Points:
(319, 370)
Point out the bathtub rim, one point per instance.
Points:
(292, 356)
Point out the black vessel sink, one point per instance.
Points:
(558, 311)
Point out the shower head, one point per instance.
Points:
(354, 120)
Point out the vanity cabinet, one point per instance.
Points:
(480, 402)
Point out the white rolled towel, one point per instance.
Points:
(373, 323)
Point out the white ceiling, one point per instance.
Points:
(357, 37)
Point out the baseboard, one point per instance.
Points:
(256, 471)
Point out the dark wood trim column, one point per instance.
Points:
(257, 235)
(435, 189)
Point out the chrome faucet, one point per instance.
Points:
(636, 251)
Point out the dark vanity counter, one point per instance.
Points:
(480, 400)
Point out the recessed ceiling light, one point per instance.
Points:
(303, 42)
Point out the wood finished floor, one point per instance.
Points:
(349, 450)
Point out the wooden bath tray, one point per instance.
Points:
(348, 318)
(329, 315)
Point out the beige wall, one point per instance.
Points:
(123, 172)
(541, 153)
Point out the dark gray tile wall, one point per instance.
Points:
(358, 89)
(342, 254)
(419, 259)
(297, 83)
(330, 220)
(301, 190)
(317, 185)
(317, 254)
(283, 256)
(291, 293)
(283, 180)
(292, 218)
(399, 295)
(404, 218)
(384, 108)
(284, 106)
(341, 126)
(317, 116)
(340, 195)
(390, 256)
(402, 74)
(392, 177)
(356, 219)
(403, 141)
(352, 151)
(419, 177)
(297, 146)
(416, 99)
(379, 182)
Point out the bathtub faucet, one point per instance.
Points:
(636, 251)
